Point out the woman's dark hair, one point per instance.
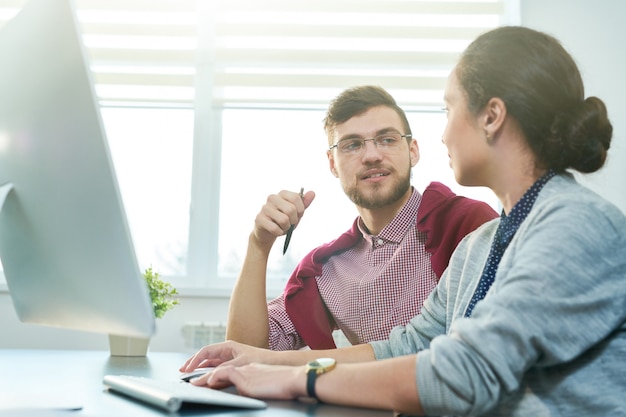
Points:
(542, 89)
(357, 100)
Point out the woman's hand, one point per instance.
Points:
(256, 380)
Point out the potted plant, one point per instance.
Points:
(161, 293)
(162, 296)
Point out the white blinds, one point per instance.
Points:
(275, 53)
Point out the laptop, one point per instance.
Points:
(172, 395)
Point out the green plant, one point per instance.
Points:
(161, 293)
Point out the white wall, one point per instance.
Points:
(593, 31)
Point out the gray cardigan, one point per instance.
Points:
(549, 339)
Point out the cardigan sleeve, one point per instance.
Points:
(446, 219)
(303, 302)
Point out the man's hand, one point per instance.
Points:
(279, 212)
(229, 352)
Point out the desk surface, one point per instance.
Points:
(38, 381)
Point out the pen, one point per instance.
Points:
(290, 231)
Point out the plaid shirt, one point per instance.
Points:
(376, 285)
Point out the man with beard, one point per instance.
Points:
(376, 275)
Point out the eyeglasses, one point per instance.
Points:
(386, 142)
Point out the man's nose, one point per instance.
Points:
(370, 150)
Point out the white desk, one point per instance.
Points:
(42, 377)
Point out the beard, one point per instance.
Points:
(380, 196)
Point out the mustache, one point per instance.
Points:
(364, 172)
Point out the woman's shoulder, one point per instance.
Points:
(564, 196)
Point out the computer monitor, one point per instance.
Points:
(65, 244)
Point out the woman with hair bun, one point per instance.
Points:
(529, 318)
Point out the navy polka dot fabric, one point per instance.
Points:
(506, 230)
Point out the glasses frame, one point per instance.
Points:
(373, 140)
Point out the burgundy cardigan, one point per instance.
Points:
(443, 216)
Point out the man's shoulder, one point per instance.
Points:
(439, 201)
(436, 188)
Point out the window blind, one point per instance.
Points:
(275, 53)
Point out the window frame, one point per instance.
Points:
(209, 83)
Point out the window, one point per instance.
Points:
(209, 106)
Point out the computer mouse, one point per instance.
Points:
(195, 373)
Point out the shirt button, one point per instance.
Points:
(380, 242)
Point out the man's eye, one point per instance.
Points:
(351, 145)
(387, 140)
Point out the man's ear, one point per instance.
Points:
(414, 152)
(493, 117)
(331, 163)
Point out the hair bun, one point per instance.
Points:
(590, 133)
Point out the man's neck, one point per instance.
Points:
(375, 220)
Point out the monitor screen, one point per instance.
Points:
(65, 244)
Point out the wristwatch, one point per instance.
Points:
(313, 369)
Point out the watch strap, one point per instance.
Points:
(315, 368)
(311, 377)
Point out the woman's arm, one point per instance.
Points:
(388, 384)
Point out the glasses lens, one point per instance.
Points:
(350, 146)
(384, 142)
(388, 140)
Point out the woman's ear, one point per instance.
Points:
(493, 117)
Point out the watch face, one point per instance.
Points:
(322, 363)
(326, 362)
